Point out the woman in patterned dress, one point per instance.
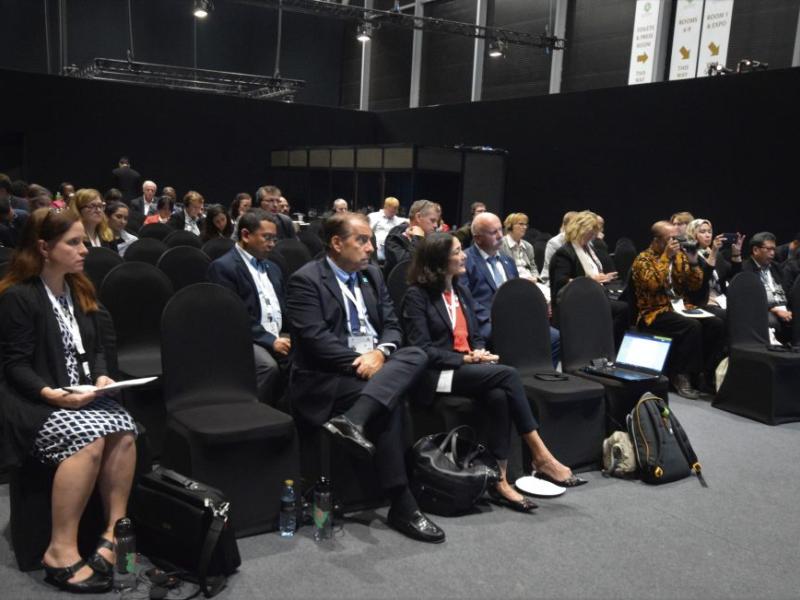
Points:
(49, 341)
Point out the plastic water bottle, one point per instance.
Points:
(125, 567)
(323, 517)
(288, 518)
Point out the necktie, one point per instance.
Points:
(355, 326)
(260, 265)
(495, 269)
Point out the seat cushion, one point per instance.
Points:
(139, 360)
(574, 389)
(228, 423)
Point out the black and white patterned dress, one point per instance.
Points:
(68, 430)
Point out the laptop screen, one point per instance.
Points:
(643, 351)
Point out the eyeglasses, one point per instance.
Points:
(95, 206)
(270, 238)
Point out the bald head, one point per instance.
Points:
(487, 232)
(663, 232)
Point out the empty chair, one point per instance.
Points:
(182, 238)
(294, 253)
(184, 265)
(217, 247)
(158, 231)
(311, 240)
(99, 262)
(570, 409)
(624, 255)
(217, 430)
(539, 247)
(587, 334)
(396, 282)
(760, 383)
(147, 250)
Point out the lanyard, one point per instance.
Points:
(362, 313)
(70, 322)
(452, 308)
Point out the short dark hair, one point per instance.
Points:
(338, 224)
(112, 195)
(430, 261)
(19, 188)
(267, 189)
(758, 239)
(475, 205)
(251, 220)
(114, 206)
(35, 189)
(164, 201)
(124, 160)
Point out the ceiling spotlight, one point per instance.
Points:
(497, 49)
(364, 32)
(202, 8)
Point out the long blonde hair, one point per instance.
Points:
(80, 200)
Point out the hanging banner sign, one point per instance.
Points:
(686, 39)
(644, 48)
(716, 34)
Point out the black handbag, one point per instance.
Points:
(451, 471)
(182, 525)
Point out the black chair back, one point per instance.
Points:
(311, 240)
(520, 328)
(147, 250)
(184, 265)
(396, 282)
(794, 306)
(294, 253)
(197, 362)
(5, 253)
(539, 247)
(624, 255)
(135, 294)
(98, 263)
(586, 324)
(182, 238)
(217, 247)
(158, 231)
(748, 322)
(135, 222)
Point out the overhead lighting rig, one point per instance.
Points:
(187, 78)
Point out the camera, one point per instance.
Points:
(687, 245)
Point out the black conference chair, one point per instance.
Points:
(586, 334)
(294, 253)
(98, 262)
(217, 247)
(624, 255)
(760, 384)
(396, 282)
(182, 238)
(5, 253)
(217, 431)
(794, 303)
(570, 410)
(147, 250)
(158, 231)
(184, 265)
(539, 247)
(311, 240)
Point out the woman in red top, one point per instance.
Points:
(439, 317)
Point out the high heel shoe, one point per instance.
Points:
(98, 562)
(525, 505)
(60, 576)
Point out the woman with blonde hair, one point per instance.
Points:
(88, 205)
(518, 249)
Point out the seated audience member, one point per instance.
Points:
(577, 258)
(163, 212)
(464, 233)
(762, 252)
(16, 201)
(49, 341)
(662, 276)
(518, 249)
(240, 205)
(191, 217)
(268, 198)
(788, 250)
(601, 248)
(681, 220)
(402, 240)
(383, 221)
(283, 207)
(146, 203)
(440, 224)
(12, 222)
(791, 272)
(170, 192)
(487, 270)
(34, 189)
(88, 205)
(117, 217)
(554, 243)
(349, 373)
(112, 195)
(216, 224)
(339, 206)
(39, 201)
(717, 271)
(66, 191)
(259, 283)
(439, 317)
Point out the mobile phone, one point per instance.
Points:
(730, 238)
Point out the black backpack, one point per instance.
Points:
(662, 448)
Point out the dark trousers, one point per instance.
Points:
(499, 389)
(621, 318)
(387, 387)
(783, 329)
(696, 343)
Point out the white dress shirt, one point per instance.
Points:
(381, 226)
(271, 317)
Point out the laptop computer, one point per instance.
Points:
(641, 357)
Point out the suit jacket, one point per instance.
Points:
(564, 265)
(32, 357)
(178, 221)
(791, 271)
(137, 204)
(126, 180)
(482, 286)
(775, 269)
(318, 323)
(398, 247)
(230, 271)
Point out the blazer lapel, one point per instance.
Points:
(370, 301)
(438, 304)
(483, 266)
(330, 282)
(244, 274)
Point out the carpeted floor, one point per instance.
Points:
(609, 539)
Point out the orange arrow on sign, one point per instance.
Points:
(642, 58)
(714, 49)
(684, 52)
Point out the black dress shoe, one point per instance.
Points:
(343, 428)
(525, 505)
(59, 577)
(416, 526)
(683, 387)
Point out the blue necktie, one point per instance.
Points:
(355, 326)
(493, 267)
(260, 265)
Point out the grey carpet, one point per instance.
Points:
(609, 539)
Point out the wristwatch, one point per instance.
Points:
(385, 350)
